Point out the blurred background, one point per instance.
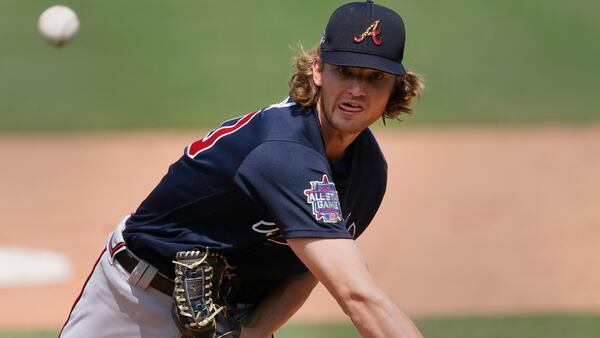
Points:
(494, 184)
(180, 64)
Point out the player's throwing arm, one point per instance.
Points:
(341, 267)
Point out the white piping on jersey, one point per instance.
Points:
(285, 103)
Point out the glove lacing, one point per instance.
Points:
(213, 309)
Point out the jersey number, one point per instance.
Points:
(209, 140)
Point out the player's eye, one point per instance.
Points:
(345, 71)
(376, 76)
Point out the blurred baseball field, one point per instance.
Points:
(181, 64)
(144, 67)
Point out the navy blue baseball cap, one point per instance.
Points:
(363, 34)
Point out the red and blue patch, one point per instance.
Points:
(323, 197)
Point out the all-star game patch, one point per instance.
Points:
(323, 197)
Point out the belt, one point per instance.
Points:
(159, 282)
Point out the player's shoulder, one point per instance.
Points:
(288, 114)
(269, 116)
(288, 104)
(289, 121)
(283, 122)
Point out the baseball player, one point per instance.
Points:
(238, 232)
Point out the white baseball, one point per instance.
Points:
(58, 24)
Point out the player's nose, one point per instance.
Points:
(357, 87)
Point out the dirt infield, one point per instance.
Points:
(475, 220)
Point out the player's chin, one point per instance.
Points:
(359, 119)
(348, 125)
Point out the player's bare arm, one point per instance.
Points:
(341, 268)
(279, 306)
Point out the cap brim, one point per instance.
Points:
(354, 59)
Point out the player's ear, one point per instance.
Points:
(317, 68)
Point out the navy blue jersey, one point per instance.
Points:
(252, 183)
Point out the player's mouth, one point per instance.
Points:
(351, 107)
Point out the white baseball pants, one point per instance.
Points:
(113, 305)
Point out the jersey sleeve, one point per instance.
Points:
(292, 183)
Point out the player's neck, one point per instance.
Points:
(335, 148)
(335, 141)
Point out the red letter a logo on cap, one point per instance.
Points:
(373, 30)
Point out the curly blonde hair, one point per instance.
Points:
(304, 91)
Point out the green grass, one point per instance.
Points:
(531, 326)
(508, 326)
(521, 326)
(186, 63)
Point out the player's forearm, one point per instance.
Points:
(341, 267)
(376, 315)
(279, 306)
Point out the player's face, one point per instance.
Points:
(351, 98)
